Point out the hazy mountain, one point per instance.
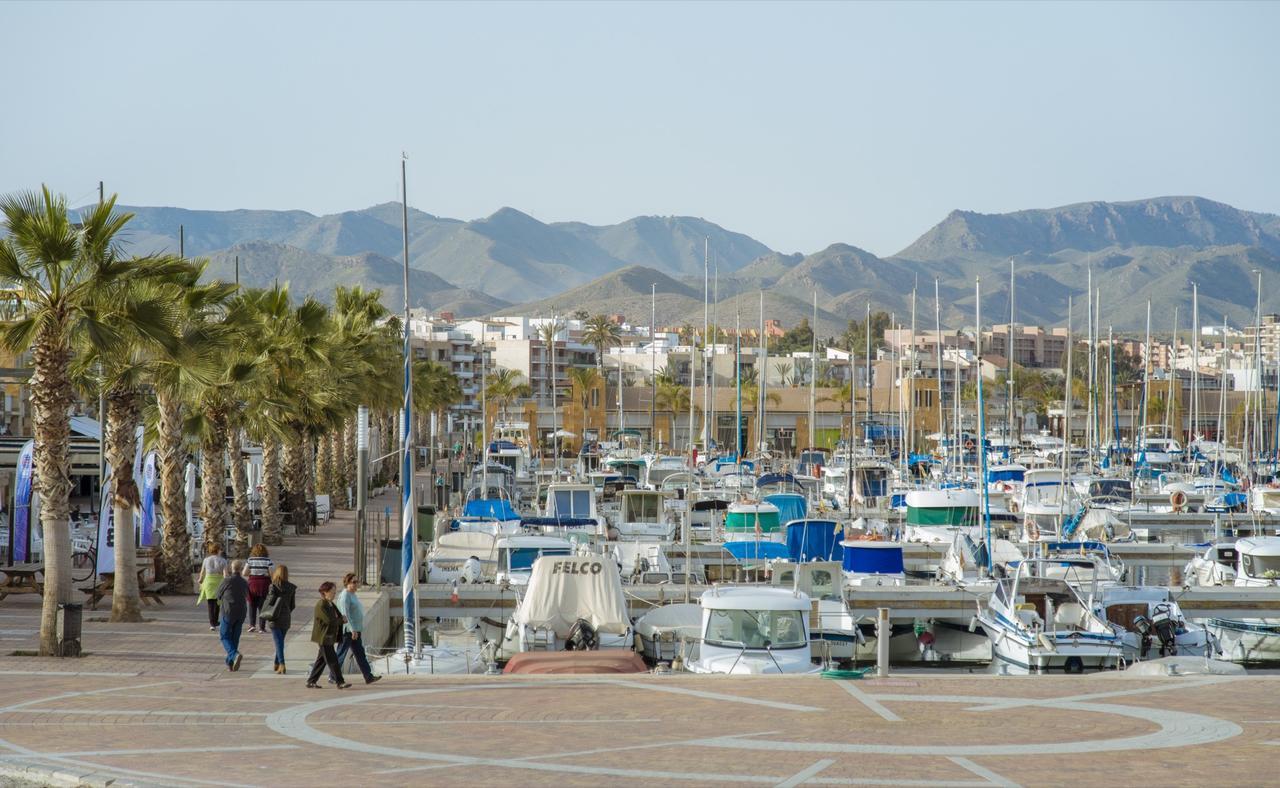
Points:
(509, 254)
(261, 264)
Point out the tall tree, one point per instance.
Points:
(601, 332)
(65, 275)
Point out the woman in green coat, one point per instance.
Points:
(326, 631)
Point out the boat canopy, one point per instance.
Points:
(813, 540)
(873, 558)
(493, 508)
(770, 479)
(563, 589)
(791, 506)
(558, 522)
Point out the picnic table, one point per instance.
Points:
(21, 579)
(150, 592)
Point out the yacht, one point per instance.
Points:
(750, 630)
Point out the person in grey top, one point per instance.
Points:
(233, 603)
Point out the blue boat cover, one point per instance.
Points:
(1099, 547)
(791, 506)
(813, 540)
(761, 551)
(776, 478)
(868, 559)
(501, 445)
(493, 508)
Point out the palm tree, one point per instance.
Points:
(840, 396)
(673, 399)
(505, 386)
(66, 278)
(435, 388)
(602, 332)
(202, 341)
(584, 380)
(125, 368)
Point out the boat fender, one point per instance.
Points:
(1047, 642)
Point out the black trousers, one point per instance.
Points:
(329, 657)
(213, 611)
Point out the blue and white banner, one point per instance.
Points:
(147, 489)
(22, 504)
(106, 531)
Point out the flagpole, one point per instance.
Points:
(409, 543)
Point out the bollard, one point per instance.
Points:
(884, 630)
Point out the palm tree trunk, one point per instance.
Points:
(176, 543)
(123, 415)
(213, 477)
(309, 469)
(295, 479)
(324, 467)
(51, 398)
(338, 451)
(240, 510)
(349, 460)
(271, 534)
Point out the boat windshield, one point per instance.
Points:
(1265, 566)
(755, 628)
(523, 557)
(573, 503)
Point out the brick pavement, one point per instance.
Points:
(151, 705)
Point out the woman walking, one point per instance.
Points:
(326, 630)
(212, 571)
(258, 573)
(278, 610)
(352, 610)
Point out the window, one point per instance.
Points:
(573, 503)
(755, 629)
(1265, 566)
(523, 557)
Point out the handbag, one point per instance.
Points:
(268, 611)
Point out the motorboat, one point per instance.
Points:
(661, 633)
(516, 555)
(970, 564)
(1081, 562)
(496, 516)
(1152, 623)
(1257, 566)
(464, 556)
(834, 634)
(1047, 500)
(934, 515)
(660, 468)
(706, 513)
(747, 518)
(1038, 623)
(750, 630)
(574, 502)
(643, 515)
(1216, 566)
(570, 602)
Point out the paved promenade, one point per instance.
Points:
(151, 704)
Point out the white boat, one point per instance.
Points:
(834, 631)
(464, 556)
(562, 592)
(873, 563)
(661, 633)
(516, 555)
(572, 504)
(1257, 566)
(659, 468)
(1152, 624)
(750, 630)
(1047, 500)
(643, 515)
(966, 562)
(1216, 566)
(1037, 624)
(935, 515)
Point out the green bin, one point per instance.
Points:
(426, 523)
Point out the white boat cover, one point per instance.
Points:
(563, 589)
(461, 545)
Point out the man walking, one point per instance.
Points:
(353, 612)
(233, 603)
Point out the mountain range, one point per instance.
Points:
(511, 262)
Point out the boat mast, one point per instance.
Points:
(1195, 364)
(1090, 360)
(706, 334)
(1066, 408)
(715, 323)
(1008, 404)
(1257, 360)
(982, 432)
(1140, 440)
(813, 374)
(737, 375)
(867, 332)
(937, 325)
(910, 410)
(1168, 397)
(763, 380)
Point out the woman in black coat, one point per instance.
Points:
(279, 603)
(326, 631)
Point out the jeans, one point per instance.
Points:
(229, 634)
(350, 644)
(326, 657)
(277, 635)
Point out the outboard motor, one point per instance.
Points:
(582, 637)
(1142, 625)
(1166, 628)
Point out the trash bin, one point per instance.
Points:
(69, 617)
(426, 523)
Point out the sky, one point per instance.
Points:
(798, 124)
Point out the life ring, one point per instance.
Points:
(969, 444)
(1178, 499)
(1032, 528)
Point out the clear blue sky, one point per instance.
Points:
(800, 125)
